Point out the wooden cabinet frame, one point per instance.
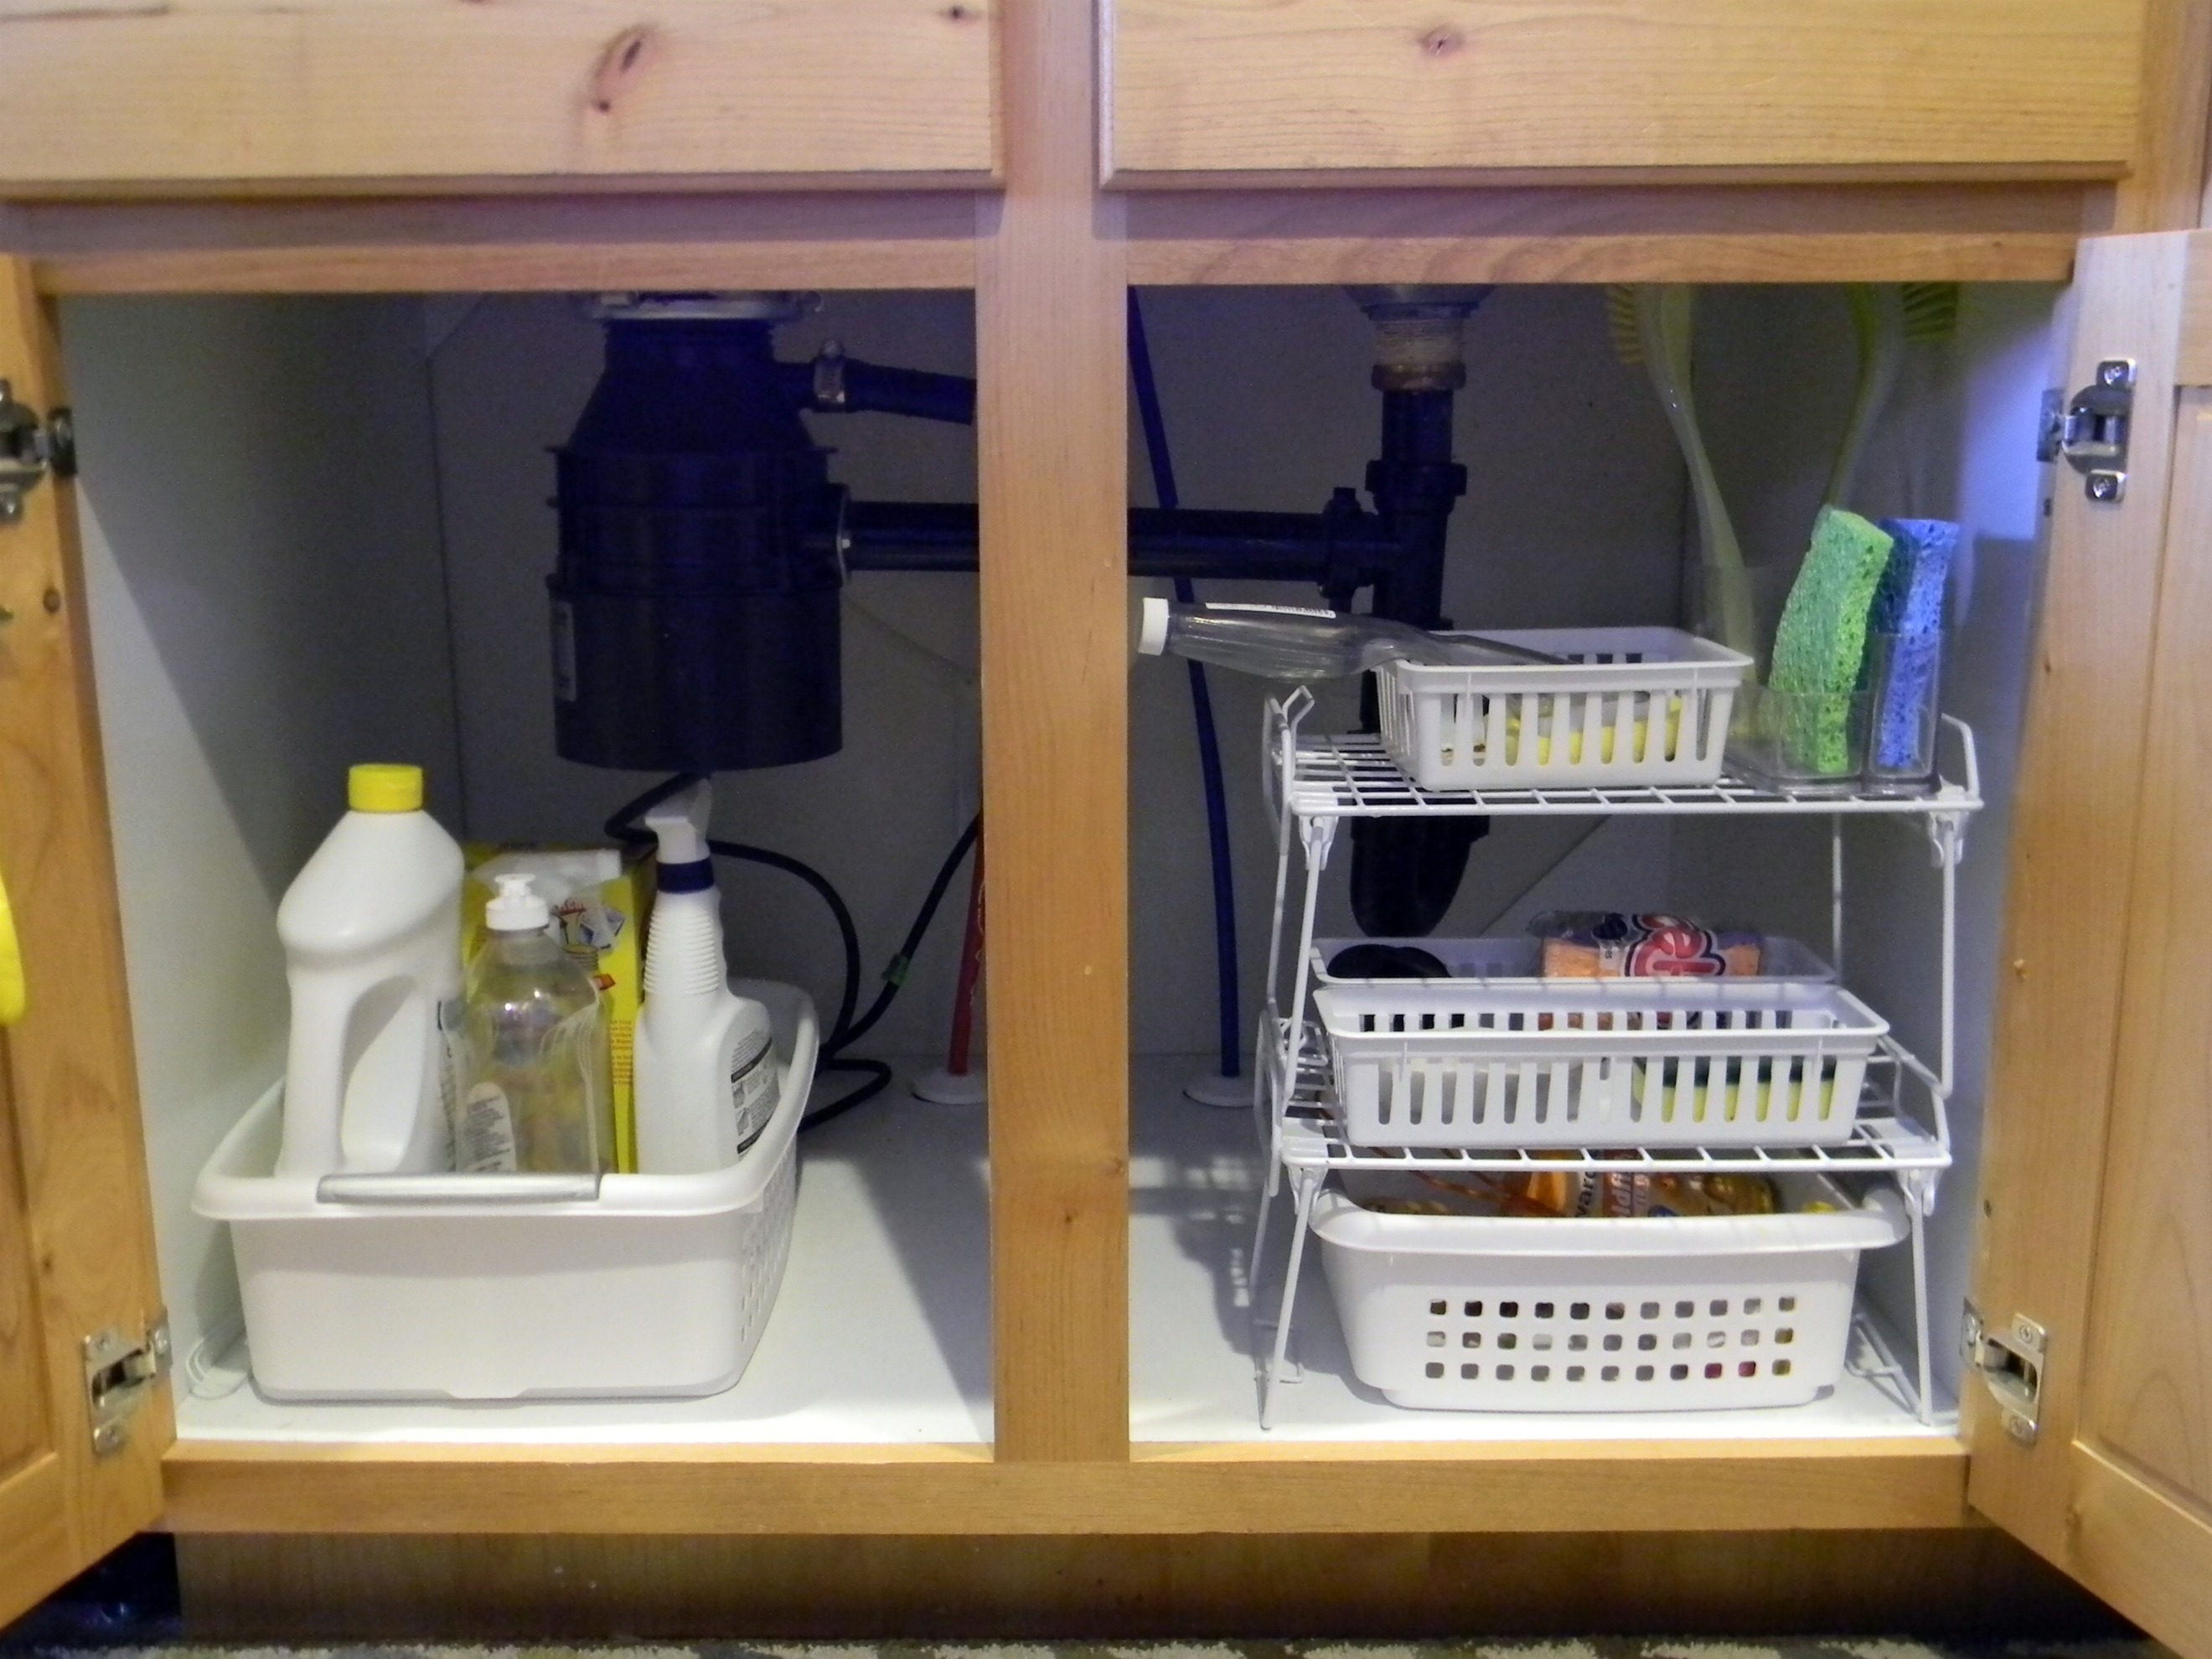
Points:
(1049, 260)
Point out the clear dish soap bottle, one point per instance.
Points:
(534, 1092)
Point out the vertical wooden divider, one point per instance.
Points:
(1053, 449)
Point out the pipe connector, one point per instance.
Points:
(1420, 335)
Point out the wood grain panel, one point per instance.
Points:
(2148, 1378)
(1642, 1486)
(1313, 87)
(71, 1105)
(1051, 444)
(2165, 185)
(487, 245)
(25, 1426)
(1969, 1581)
(2074, 841)
(834, 241)
(2149, 1554)
(402, 94)
(1775, 234)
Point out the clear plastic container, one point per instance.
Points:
(1904, 676)
(535, 1095)
(1801, 740)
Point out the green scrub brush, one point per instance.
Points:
(1821, 644)
(1886, 317)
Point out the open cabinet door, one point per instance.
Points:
(84, 1407)
(2091, 1424)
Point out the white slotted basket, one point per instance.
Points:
(1630, 706)
(1597, 1063)
(1521, 956)
(480, 1287)
(1474, 1313)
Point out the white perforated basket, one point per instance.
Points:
(1520, 956)
(1651, 1314)
(456, 1288)
(1597, 1063)
(1630, 706)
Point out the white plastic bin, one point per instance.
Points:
(1630, 707)
(1651, 1314)
(1519, 956)
(456, 1287)
(1597, 1063)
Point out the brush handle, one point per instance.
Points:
(1664, 317)
(1878, 319)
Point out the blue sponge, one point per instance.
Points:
(1908, 602)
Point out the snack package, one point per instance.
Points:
(1608, 944)
(1562, 1195)
(599, 901)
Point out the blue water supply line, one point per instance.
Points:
(1201, 707)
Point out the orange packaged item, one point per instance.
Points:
(1610, 944)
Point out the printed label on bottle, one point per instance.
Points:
(1213, 606)
(752, 1088)
(483, 1132)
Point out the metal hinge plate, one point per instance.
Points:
(2009, 1361)
(119, 1374)
(2089, 431)
(30, 448)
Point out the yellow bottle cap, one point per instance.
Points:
(385, 789)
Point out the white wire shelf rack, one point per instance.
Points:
(1350, 776)
(1314, 782)
(1885, 1140)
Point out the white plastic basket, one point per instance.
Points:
(1520, 957)
(1630, 706)
(460, 1287)
(1652, 1313)
(1597, 1063)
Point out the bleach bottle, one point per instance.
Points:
(705, 1061)
(372, 934)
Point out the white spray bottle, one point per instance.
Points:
(705, 1076)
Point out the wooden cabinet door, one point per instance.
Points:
(77, 1249)
(332, 95)
(2094, 1285)
(1311, 90)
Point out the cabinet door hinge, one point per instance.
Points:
(30, 447)
(2009, 1361)
(2089, 431)
(119, 1374)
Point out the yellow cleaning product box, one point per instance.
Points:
(599, 901)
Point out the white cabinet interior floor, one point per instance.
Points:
(1194, 1174)
(881, 1334)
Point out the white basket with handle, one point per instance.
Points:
(512, 1286)
(1597, 1063)
(1627, 706)
(1483, 1313)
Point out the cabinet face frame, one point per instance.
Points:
(1063, 1463)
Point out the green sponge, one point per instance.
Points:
(1820, 642)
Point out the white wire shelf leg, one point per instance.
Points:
(1317, 835)
(1836, 892)
(1922, 1382)
(1305, 1187)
